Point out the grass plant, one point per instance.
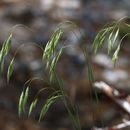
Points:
(108, 35)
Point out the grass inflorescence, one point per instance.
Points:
(108, 35)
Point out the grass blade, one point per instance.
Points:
(21, 103)
(116, 35)
(50, 48)
(8, 44)
(4, 51)
(53, 64)
(47, 105)
(32, 106)
(112, 39)
(115, 55)
(23, 100)
(10, 70)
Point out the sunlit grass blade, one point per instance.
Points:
(23, 100)
(53, 64)
(116, 35)
(96, 42)
(100, 39)
(51, 45)
(8, 43)
(21, 103)
(35, 101)
(10, 70)
(4, 50)
(50, 55)
(115, 55)
(110, 43)
(112, 39)
(108, 35)
(32, 106)
(55, 59)
(116, 52)
(47, 105)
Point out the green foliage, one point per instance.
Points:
(23, 100)
(50, 58)
(32, 106)
(4, 50)
(10, 70)
(51, 55)
(109, 36)
(47, 105)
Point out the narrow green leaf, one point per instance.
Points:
(4, 50)
(116, 35)
(115, 55)
(25, 98)
(110, 42)
(8, 44)
(47, 105)
(112, 39)
(96, 42)
(10, 70)
(100, 38)
(50, 48)
(55, 60)
(32, 106)
(21, 103)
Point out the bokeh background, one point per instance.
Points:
(42, 17)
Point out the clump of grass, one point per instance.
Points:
(4, 50)
(108, 35)
(49, 60)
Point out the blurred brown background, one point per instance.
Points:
(42, 17)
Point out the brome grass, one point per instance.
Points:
(107, 35)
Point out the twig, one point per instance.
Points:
(115, 95)
(125, 124)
